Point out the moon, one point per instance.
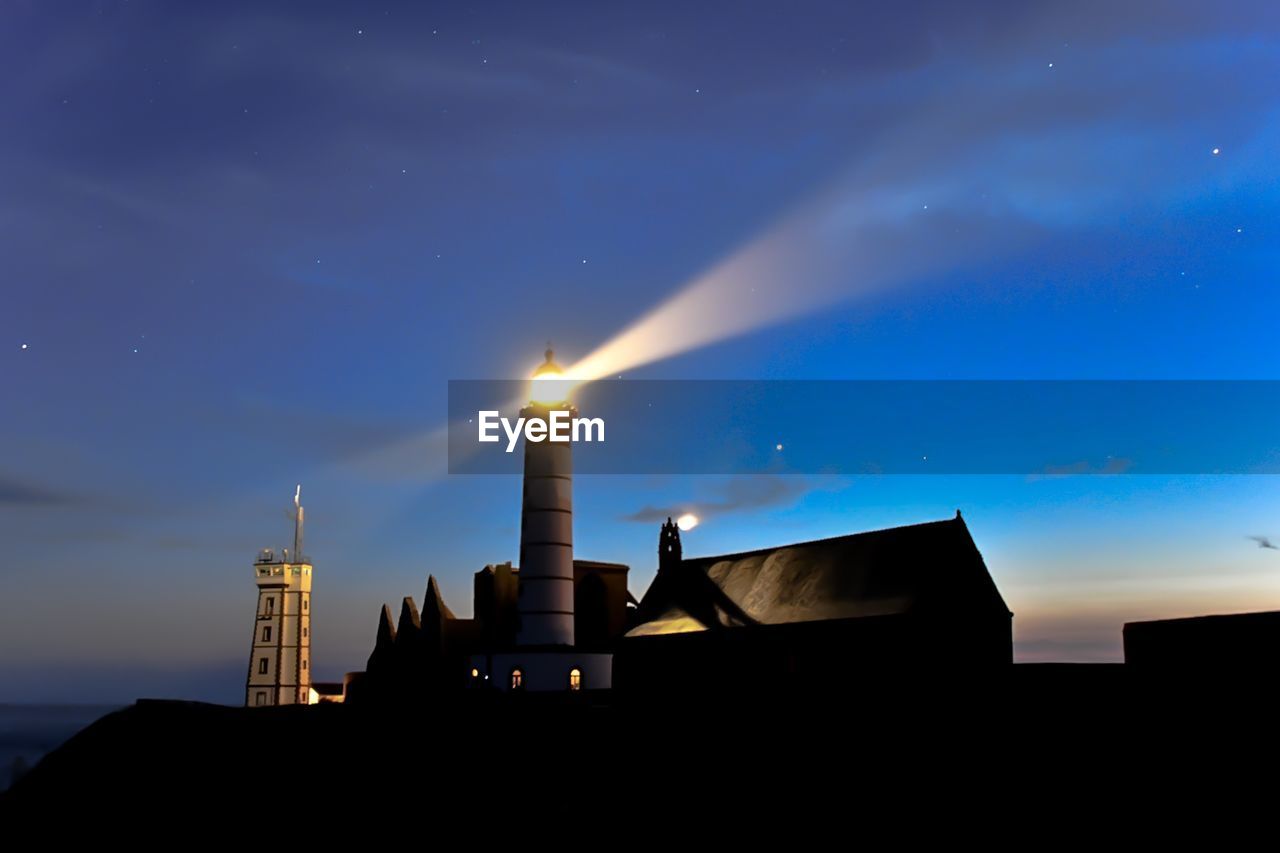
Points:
(688, 521)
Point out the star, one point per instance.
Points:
(1239, 230)
(584, 260)
(1050, 64)
(1217, 151)
(777, 447)
(24, 346)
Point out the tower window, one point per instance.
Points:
(271, 605)
(261, 698)
(306, 604)
(304, 632)
(266, 633)
(262, 666)
(517, 679)
(575, 679)
(304, 664)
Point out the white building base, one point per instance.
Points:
(543, 670)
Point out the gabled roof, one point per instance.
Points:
(433, 607)
(934, 566)
(410, 623)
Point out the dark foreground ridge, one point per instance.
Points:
(1046, 731)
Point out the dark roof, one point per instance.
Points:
(877, 573)
(596, 565)
(1208, 622)
(601, 566)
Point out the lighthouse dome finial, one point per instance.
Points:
(548, 367)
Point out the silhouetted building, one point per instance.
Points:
(1232, 641)
(907, 597)
(810, 614)
(435, 650)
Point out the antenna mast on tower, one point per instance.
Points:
(297, 524)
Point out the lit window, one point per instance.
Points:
(475, 673)
(262, 666)
(266, 634)
(517, 679)
(575, 679)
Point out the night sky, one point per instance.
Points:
(244, 246)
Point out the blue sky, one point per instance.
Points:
(248, 245)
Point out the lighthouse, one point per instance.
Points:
(546, 520)
(544, 656)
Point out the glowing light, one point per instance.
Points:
(800, 264)
(674, 621)
(1217, 151)
(549, 385)
(778, 447)
(688, 521)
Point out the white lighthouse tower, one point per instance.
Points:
(544, 657)
(546, 521)
(280, 660)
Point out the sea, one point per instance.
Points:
(28, 732)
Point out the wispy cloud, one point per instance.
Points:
(741, 494)
(20, 494)
(1110, 466)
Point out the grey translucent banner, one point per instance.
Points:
(1049, 428)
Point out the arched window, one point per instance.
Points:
(517, 679)
(575, 679)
